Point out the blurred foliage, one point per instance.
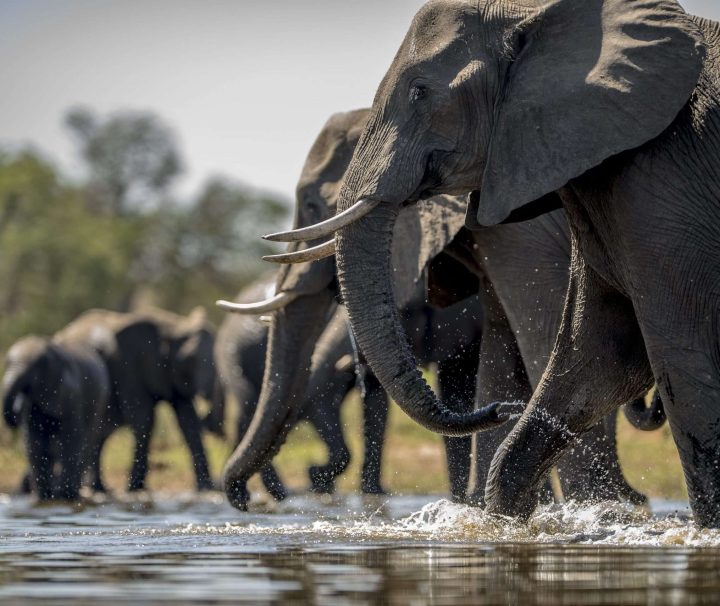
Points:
(120, 238)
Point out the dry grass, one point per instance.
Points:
(414, 459)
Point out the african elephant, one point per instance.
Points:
(608, 109)
(57, 393)
(153, 356)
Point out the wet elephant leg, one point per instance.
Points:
(329, 428)
(457, 378)
(686, 365)
(501, 376)
(191, 429)
(70, 443)
(375, 414)
(599, 363)
(590, 470)
(142, 427)
(40, 457)
(272, 482)
(95, 455)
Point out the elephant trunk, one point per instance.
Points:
(14, 400)
(646, 418)
(292, 337)
(365, 276)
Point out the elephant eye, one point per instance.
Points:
(418, 93)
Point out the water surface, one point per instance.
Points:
(399, 550)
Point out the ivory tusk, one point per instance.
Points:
(327, 249)
(328, 227)
(279, 301)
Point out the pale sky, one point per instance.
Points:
(246, 85)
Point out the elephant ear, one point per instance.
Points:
(421, 233)
(589, 80)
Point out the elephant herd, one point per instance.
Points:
(531, 204)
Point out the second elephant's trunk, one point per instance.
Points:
(292, 337)
(365, 275)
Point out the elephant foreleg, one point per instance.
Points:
(40, 456)
(501, 377)
(190, 426)
(375, 414)
(71, 446)
(142, 429)
(590, 470)
(457, 378)
(599, 363)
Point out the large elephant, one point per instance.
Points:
(421, 236)
(57, 393)
(449, 338)
(151, 357)
(608, 108)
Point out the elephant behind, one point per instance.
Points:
(59, 394)
(153, 356)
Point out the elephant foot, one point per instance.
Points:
(321, 482)
(238, 495)
(25, 486)
(205, 485)
(476, 498)
(277, 491)
(372, 488)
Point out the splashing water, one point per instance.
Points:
(352, 550)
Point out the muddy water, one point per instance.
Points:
(351, 551)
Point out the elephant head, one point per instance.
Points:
(510, 100)
(33, 374)
(303, 300)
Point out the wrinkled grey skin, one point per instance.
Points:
(296, 329)
(58, 393)
(612, 107)
(151, 356)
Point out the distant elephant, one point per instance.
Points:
(594, 470)
(240, 358)
(153, 356)
(57, 393)
(609, 109)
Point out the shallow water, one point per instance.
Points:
(400, 550)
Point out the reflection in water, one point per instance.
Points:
(351, 552)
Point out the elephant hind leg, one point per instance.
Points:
(457, 378)
(590, 470)
(689, 385)
(190, 426)
(40, 456)
(328, 426)
(375, 414)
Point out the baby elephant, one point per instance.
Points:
(57, 392)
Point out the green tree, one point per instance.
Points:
(211, 247)
(57, 258)
(132, 159)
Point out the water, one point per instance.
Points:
(400, 550)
